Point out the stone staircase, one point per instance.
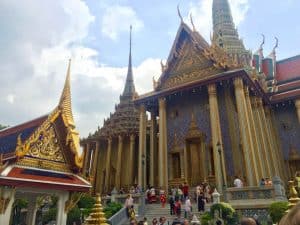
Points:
(156, 211)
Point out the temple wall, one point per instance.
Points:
(288, 128)
(179, 112)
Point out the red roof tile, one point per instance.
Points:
(288, 69)
(19, 177)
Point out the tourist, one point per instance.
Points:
(268, 182)
(121, 192)
(247, 221)
(154, 221)
(292, 217)
(186, 222)
(188, 208)
(162, 197)
(178, 208)
(262, 182)
(180, 193)
(185, 190)
(201, 202)
(207, 193)
(132, 190)
(172, 204)
(237, 182)
(129, 204)
(176, 221)
(133, 222)
(162, 220)
(145, 221)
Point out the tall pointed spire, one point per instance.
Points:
(129, 89)
(225, 34)
(65, 104)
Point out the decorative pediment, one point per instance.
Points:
(187, 61)
(47, 146)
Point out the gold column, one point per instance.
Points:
(162, 158)
(247, 143)
(279, 152)
(94, 164)
(119, 161)
(232, 126)
(131, 159)
(152, 147)
(272, 141)
(261, 133)
(269, 148)
(216, 135)
(257, 159)
(107, 166)
(86, 160)
(297, 104)
(142, 148)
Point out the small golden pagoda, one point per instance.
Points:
(97, 216)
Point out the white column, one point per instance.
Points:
(8, 194)
(61, 215)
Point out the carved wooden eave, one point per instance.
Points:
(50, 145)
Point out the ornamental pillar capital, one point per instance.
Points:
(212, 89)
(132, 138)
(162, 102)
(238, 83)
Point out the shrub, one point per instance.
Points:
(227, 213)
(73, 216)
(277, 210)
(206, 218)
(112, 208)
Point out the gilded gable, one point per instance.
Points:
(47, 146)
(190, 64)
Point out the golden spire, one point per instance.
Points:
(97, 216)
(65, 104)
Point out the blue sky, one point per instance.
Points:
(38, 38)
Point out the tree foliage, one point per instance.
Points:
(2, 126)
(277, 210)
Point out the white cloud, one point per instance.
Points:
(10, 98)
(202, 14)
(117, 19)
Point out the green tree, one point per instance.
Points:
(18, 205)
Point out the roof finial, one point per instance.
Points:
(192, 22)
(276, 45)
(263, 42)
(65, 99)
(179, 14)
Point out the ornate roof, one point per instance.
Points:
(192, 58)
(125, 119)
(48, 142)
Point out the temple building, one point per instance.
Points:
(216, 111)
(41, 158)
(111, 152)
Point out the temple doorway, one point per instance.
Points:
(195, 159)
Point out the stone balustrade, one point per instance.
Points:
(247, 193)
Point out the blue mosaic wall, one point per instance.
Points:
(179, 111)
(288, 127)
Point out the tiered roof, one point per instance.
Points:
(125, 119)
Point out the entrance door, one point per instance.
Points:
(176, 165)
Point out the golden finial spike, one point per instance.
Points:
(65, 99)
(179, 14)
